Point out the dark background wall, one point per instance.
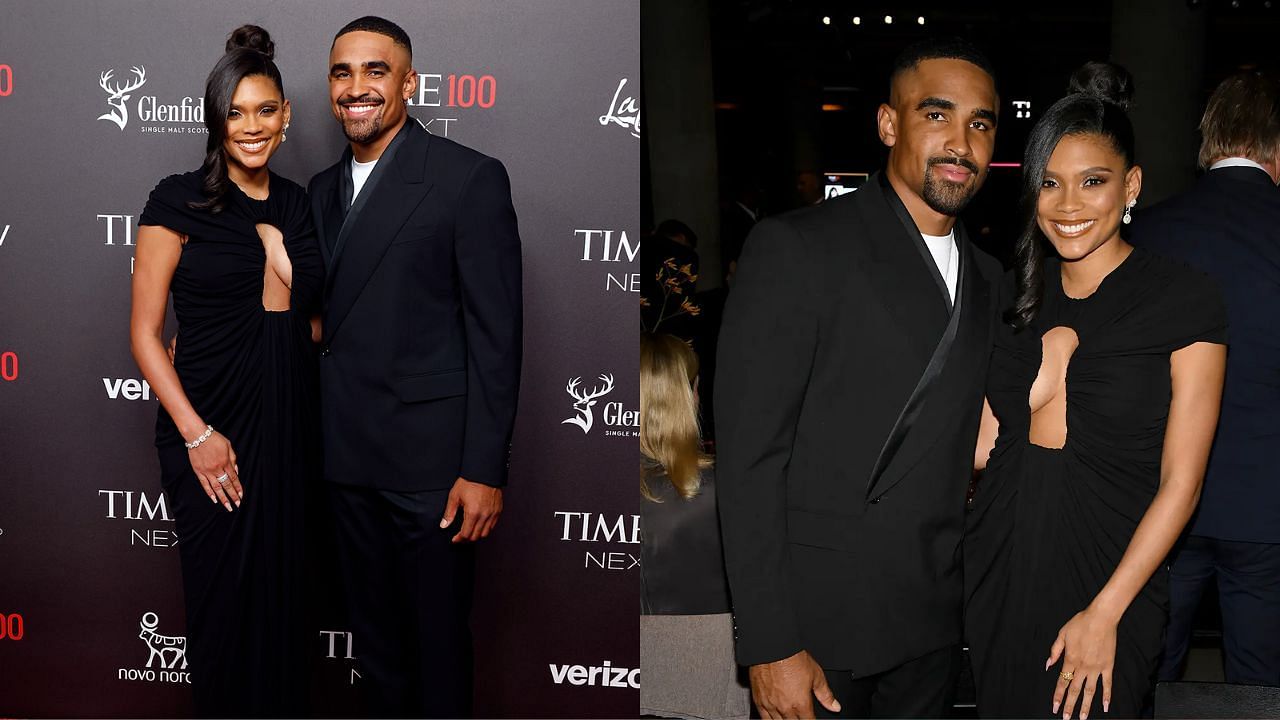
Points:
(87, 556)
(775, 90)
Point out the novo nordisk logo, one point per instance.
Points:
(584, 400)
(162, 646)
(118, 94)
(167, 661)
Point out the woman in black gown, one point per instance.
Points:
(1103, 394)
(237, 433)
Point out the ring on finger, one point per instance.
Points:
(223, 478)
(1066, 675)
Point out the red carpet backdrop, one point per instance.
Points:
(98, 101)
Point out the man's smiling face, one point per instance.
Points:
(370, 80)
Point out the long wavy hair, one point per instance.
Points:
(250, 51)
(670, 440)
(1097, 106)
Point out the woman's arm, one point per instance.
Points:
(155, 259)
(987, 432)
(1089, 639)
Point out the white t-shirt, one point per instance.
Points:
(947, 257)
(360, 172)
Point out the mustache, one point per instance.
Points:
(365, 98)
(965, 163)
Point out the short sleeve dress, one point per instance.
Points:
(251, 374)
(1048, 526)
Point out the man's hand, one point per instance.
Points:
(481, 505)
(786, 688)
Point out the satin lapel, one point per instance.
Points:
(320, 209)
(909, 226)
(385, 211)
(352, 210)
(898, 274)
(954, 362)
(327, 215)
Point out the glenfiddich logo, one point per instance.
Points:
(118, 94)
(584, 400)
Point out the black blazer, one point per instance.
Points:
(847, 402)
(420, 357)
(1228, 225)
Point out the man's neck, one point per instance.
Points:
(1270, 167)
(370, 151)
(927, 220)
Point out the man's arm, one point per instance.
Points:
(765, 352)
(487, 248)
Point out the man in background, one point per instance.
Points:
(1228, 225)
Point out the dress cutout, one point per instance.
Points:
(1047, 398)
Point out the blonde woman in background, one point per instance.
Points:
(686, 630)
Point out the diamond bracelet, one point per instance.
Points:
(208, 433)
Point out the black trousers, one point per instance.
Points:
(920, 688)
(1248, 579)
(409, 594)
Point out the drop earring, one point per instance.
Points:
(1128, 217)
(284, 137)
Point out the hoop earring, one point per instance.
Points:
(1128, 218)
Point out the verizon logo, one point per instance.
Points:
(602, 676)
(127, 388)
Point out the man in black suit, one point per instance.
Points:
(853, 361)
(419, 367)
(1228, 225)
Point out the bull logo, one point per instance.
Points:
(162, 647)
(118, 94)
(584, 400)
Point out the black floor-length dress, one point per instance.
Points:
(251, 374)
(1048, 526)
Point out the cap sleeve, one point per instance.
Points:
(167, 204)
(1199, 311)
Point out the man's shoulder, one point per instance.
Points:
(831, 219)
(325, 178)
(988, 265)
(454, 153)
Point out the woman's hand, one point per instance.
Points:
(1087, 647)
(213, 459)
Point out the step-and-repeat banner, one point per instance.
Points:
(98, 101)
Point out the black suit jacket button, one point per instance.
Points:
(876, 500)
(324, 351)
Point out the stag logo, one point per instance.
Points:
(583, 400)
(118, 94)
(162, 646)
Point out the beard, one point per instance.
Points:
(947, 197)
(362, 130)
